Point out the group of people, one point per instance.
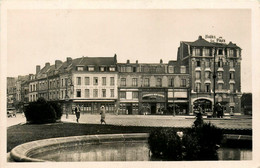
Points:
(219, 110)
(102, 114)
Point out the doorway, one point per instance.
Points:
(153, 108)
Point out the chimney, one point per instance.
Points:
(47, 64)
(200, 37)
(136, 61)
(115, 59)
(38, 68)
(128, 61)
(57, 63)
(161, 61)
(69, 60)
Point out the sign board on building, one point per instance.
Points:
(180, 95)
(214, 39)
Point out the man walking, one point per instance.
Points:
(77, 112)
(103, 115)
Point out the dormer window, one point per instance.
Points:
(171, 69)
(80, 68)
(91, 68)
(102, 69)
(112, 69)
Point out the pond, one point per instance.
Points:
(124, 151)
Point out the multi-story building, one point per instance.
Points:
(198, 57)
(140, 88)
(152, 88)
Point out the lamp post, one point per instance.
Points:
(214, 86)
(66, 95)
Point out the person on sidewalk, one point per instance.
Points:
(103, 115)
(77, 112)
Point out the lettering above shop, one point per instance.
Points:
(213, 39)
(153, 95)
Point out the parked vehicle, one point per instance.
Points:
(11, 112)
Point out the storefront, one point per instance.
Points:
(93, 106)
(153, 101)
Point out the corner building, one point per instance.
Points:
(198, 57)
(156, 88)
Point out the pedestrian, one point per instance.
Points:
(77, 112)
(103, 115)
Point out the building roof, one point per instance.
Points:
(201, 43)
(97, 61)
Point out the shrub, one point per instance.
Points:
(197, 143)
(42, 111)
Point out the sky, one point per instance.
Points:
(35, 37)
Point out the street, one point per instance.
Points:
(235, 122)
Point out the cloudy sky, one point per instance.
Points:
(35, 37)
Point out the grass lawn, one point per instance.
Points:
(19, 134)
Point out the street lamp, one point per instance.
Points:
(214, 86)
(66, 95)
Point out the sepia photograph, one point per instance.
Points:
(109, 84)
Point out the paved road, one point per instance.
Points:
(240, 122)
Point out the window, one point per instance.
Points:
(134, 69)
(220, 75)
(112, 69)
(197, 74)
(198, 63)
(135, 95)
(197, 87)
(62, 82)
(159, 82)
(78, 93)
(103, 92)
(207, 52)
(171, 84)
(78, 80)
(95, 80)
(123, 81)
(102, 69)
(207, 63)
(134, 82)
(62, 94)
(197, 52)
(231, 53)
(231, 99)
(220, 86)
(220, 63)
(231, 63)
(112, 81)
(86, 92)
(122, 95)
(183, 82)
(104, 81)
(112, 93)
(87, 80)
(207, 75)
(231, 87)
(95, 93)
(207, 87)
(128, 69)
(171, 69)
(146, 82)
(232, 75)
(220, 52)
(79, 68)
(91, 68)
(183, 69)
(123, 69)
